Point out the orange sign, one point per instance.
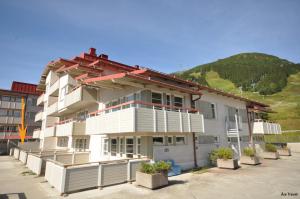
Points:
(22, 128)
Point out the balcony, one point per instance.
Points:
(140, 117)
(70, 128)
(40, 100)
(49, 131)
(36, 133)
(263, 127)
(54, 89)
(52, 110)
(10, 120)
(10, 105)
(38, 116)
(77, 99)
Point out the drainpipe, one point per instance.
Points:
(194, 147)
(250, 129)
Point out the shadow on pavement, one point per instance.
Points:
(13, 195)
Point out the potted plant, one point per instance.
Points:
(249, 157)
(270, 152)
(284, 151)
(224, 157)
(154, 175)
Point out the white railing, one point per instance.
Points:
(136, 116)
(263, 127)
(54, 88)
(52, 109)
(38, 116)
(40, 100)
(49, 131)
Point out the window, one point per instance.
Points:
(18, 99)
(63, 93)
(138, 146)
(105, 146)
(213, 110)
(10, 113)
(113, 146)
(62, 141)
(180, 140)
(129, 147)
(81, 115)
(158, 140)
(3, 112)
(6, 98)
(170, 140)
(178, 101)
(17, 113)
(81, 144)
(157, 99)
(121, 148)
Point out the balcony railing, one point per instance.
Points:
(138, 116)
(36, 133)
(40, 100)
(54, 89)
(10, 105)
(52, 109)
(78, 98)
(70, 128)
(264, 127)
(50, 131)
(10, 120)
(38, 116)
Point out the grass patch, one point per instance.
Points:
(200, 170)
(283, 138)
(27, 173)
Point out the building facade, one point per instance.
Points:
(118, 111)
(10, 111)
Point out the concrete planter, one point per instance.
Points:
(270, 155)
(151, 181)
(249, 160)
(284, 152)
(228, 164)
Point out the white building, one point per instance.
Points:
(117, 111)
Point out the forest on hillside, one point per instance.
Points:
(254, 72)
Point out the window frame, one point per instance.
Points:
(155, 144)
(184, 140)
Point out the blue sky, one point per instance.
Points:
(166, 35)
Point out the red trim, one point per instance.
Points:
(16, 137)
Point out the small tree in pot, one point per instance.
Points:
(154, 175)
(249, 157)
(270, 152)
(224, 158)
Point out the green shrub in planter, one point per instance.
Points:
(224, 153)
(271, 148)
(248, 151)
(213, 157)
(157, 167)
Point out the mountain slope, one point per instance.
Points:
(255, 72)
(285, 100)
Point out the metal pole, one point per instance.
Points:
(238, 135)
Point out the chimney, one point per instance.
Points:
(92, 51)
(103, 56)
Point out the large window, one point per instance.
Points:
(81, 144)
(113, 146)
(178, 101)
(3, 112)
(129, 147)
(62, 141)
(81, 115)
(170, 140)
(157, 99)
(208, 109)
(158, 140)
(105, 146)
(121, 147)
(5, 98)
(180, 140)
(138, 146)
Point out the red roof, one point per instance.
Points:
(25, 88)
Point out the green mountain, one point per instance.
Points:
(257, 76)
(255, 72)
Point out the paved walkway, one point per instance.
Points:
(270, 180)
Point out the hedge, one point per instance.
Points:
(283, 138)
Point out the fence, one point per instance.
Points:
(70, 178)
